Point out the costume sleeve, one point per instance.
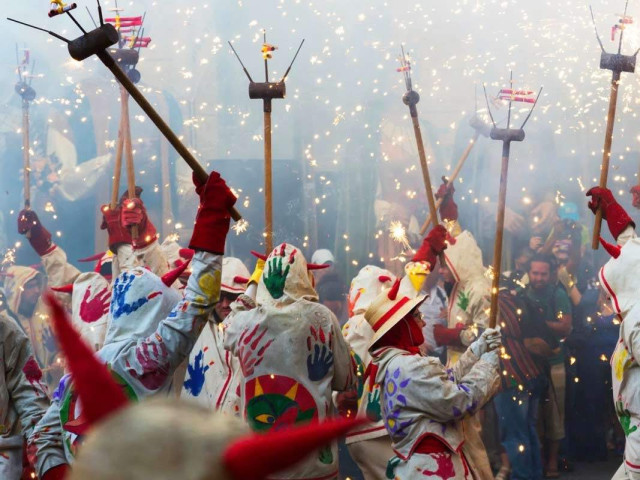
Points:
(123, 260)
(30, 399)
(344, 367)
(627, 234)
(464, 364)
(59, 271)
(152, 360)
(434, 390)
(47, 433)
(153, 258)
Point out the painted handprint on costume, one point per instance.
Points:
(94, 309)
(625, 419)
(320, 358)
(119, 305)
(152, 357)
(444, 466)
(251, 349)
(373, 405)
(196, 372)
(275, 276)
(33, 374)
(394, 401)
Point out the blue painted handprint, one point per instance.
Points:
(196, 372)
(320, 358)
(119, 305)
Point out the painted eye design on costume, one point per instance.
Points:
(265, 418)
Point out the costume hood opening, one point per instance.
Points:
(620, 280)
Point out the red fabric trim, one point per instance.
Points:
(368, 430)
(50, 249)
(225, 387)
(631, 464)
(390, 313)
(231, 289)
(611, 294)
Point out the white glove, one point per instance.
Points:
(491, 339)
(492, 358)
(467, 337)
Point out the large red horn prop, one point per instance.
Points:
(315, 266)
(393, 293)
(63, 289)
(92, 258)
(613, 250)
(100, 394)
(172, 275)
(257, 456)
(261, 256)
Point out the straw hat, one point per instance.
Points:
(388, 309)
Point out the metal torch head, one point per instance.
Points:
(478, 124)
(618, 62)
(267, 90)
(25, 91)
(411, 98)
(93, 42)
(507, 134)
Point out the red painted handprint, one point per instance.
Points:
(93, 310)
(248, 352)
(152, 357)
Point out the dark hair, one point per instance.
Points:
(544, 258)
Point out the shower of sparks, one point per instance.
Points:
(240, 227)
(398, 233)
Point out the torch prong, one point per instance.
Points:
(100, 13)
(53, 34)
(286, 73)
(91, 17)
(596, 28)
(624, 15)
(243, 67)
(76, 22)
(531, 111)
(488, 108)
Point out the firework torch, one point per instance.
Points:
(617, 63)
(266, 92)
(506, 135)
(28, 94)
(96, 42)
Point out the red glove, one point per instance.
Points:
(447, 336)
(616, 216)
(118, 234)
(212, 221)
(635, 191)
(134, 213)
(39, 237)
(432, 246)
(448, 207)
(58, 472)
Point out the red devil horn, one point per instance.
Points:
(613, 250)
(261, 256)
(100, 394)
(92, 258)
(172, 275)
(239, 279)
(393, 293)
(384, 278)
(315, 266)
(258, 456)
(186, 253)
(64, 288)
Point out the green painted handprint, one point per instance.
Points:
(625, 419)
(373, 405)
(463, 301)
(326, 455)
(391, 467)
(275, 277)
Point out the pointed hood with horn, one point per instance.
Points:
(366, 286)
(286, 278)
(619, 275)
(235, 276)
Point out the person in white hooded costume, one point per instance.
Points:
(292, 355)
(619, 279)
(213, 373)
(153, 329)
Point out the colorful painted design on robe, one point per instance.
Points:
(275, 276)
(360, 369)
(210, 284)
(194, 383)
(625, 419)
(33, 374)
(71, 417)
(119, 304)
(251, 349)
(463, 301)
(275, 401)
(443, 464)
(320, 358)
(393, 402)
(621, 360)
